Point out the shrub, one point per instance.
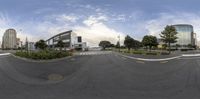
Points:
(184, 49)
(164, 53)
(151, 53)
(43, 55)
(137, 52)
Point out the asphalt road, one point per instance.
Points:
(102, 76)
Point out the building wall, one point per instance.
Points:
(9, 39)
(185, 34)
(66, 37)
(69, 38)
(31, 46)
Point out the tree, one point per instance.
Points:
(149, 41)
(117, 45)
(105, 44)
(128, 42)
(169, 35)
(41, 44)
(112, 45)
(177, 46)
(60, 44)
(136, 44)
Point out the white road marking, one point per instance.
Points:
(190, 55)
(153, 60)
(93, 53)
(163, 62)
(142, 62)
(4, 54)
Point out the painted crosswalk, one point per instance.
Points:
(94, 53)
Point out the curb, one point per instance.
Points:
(40, 61)
(152, 60)
(163, 59)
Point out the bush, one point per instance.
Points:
(184, 49)
(43, 55)
(151, 53)
(137, 52)
(164, 53)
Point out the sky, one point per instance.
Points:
(96, 20)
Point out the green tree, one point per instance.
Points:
(136, 44)
(169, 35)
(128, 42)
(117, 45)
(177, 46)
(105, 44)
(41, 44)
(112, 45)
(60, 44)
(149, 41)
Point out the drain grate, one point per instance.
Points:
(55, 77)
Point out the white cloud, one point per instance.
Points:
(67, 18)
(95, 31)
(121, 17)
(4, 23)
(94, 20)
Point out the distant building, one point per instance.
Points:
(69, 38)
(195, 39)
(160, 43)
(9, 40)
(31, 46)
(79, 45)
(186, 35)
(19, 43)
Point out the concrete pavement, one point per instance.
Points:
(103, 76)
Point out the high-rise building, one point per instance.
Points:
(185, 35)
(9, 40)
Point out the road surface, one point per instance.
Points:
(100, 76)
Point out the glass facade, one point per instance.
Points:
(185, 34)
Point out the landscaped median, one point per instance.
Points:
(43, 54)
(144, 52)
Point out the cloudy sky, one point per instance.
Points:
(96, 20)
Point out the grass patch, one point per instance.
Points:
(44, 55)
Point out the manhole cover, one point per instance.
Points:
(55, 77)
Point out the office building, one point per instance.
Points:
(9, 40)
(186, 35)
(70, 40)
